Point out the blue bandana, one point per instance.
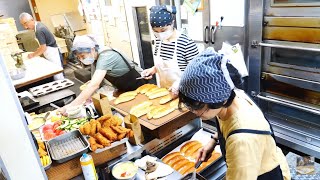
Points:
(161, 16)
(206, 78)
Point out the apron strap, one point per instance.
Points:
(124, 59)
(251, 131)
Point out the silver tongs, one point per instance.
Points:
(194, 174)
(142, 77)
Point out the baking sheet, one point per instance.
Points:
(50, 87)
(141, 98)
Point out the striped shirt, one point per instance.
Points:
(186, 50)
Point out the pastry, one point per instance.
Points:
(158, 94)
(144, 88)
(163, 112)
(175, 159)
(190, 170)
(154, 91)
(165, 99)
(189, 152)
(124, 99)
(148, 89)
(166, 158)
(175, 103)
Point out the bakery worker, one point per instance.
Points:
(173, 50)
(246, 138)
(109, 64)
(48, 46)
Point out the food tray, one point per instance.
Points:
(67, 146)
(114, 144)
(50, 87)
(49, 165)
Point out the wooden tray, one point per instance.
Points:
(151, 124)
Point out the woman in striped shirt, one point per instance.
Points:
(173, 50)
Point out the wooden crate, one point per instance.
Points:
(72, 168)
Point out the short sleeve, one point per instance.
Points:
(40, 35)
(107, 61)
(242, 157)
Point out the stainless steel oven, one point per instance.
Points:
(284, 68)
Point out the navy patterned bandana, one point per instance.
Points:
(161, 16)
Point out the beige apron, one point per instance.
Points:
(168, 70)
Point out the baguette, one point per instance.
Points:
(154, 91)
(142, 105)
(187, 145)
(129, 93)
(124, 99)
(159, 94)
(154, 111)
(166, 158)
(163, 112)
(185, 168)
(140, 112)
(165, 99)
(139, 89)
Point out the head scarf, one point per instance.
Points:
(161, 16)
(206, 78)
(84, 43)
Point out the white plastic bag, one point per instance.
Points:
(235, 56)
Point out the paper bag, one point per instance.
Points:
(132, 122)
(101, 104)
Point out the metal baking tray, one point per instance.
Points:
(114, 144)
(49, 165)
(68, 146)
(50, 87)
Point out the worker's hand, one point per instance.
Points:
(204, 153)
(62, 110)
(30, 55)
(148, 73)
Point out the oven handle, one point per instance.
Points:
(289, 47)
(289, 104)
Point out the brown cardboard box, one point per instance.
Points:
(132, 122)
(101, 103)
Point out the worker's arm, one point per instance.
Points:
(39, 51)
(94, 84)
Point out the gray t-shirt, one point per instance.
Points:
(44, 36)
(113, 63)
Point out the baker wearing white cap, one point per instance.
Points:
(246, 138)
(110, 64)
(173, 50)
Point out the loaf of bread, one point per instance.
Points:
(139, 106)
(147, 88)
(129, 93)
(154, 111)
(124, 99)
(167, 157)
(186, 168)
(151, 90)
(165, 99)
(175, 159)
(174, 103)
(163, 112)
(214, 157)
(190, 151)
(188, 145)
(177, 165)
(139, 89)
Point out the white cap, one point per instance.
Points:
(84, 41)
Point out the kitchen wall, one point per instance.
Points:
(10, 9)
(47, 8)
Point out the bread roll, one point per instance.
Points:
(214, 157)
(147, 88)
(174, 103)
(140, 112)
(165, 99)
(167, 157)
(190, 170)
(175, 159)
(124, 99)
(154, 111)
(142, 105)
(154, 91)
(163, 112)
(189, 152)
(159, 94)
(129, 93)
(177, 165)
(187, 145)
(150, 89)
(139, 89)
(186, 167)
